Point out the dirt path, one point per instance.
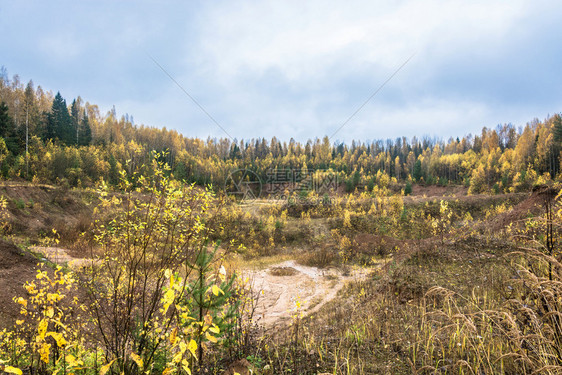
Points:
(281, 286)
(60, 256)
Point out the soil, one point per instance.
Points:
(16, 267)
(279, 287)
(34, 210)
(533, 205)
(439, 191)
(372, 244)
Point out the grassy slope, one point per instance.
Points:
(374, 326)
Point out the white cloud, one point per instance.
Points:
(298, 69)
(305, 39)
(284, 65)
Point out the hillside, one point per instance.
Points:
(374, 285)
(16, 267)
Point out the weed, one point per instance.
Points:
(283, 271)
(20, 204)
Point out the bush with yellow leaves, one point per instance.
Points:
(48, 337)
(146, 311)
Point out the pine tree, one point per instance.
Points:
(417, 175)
(75, 122)
(85, 132)
(217, 306)
(6, 123)
(8, 129)
(59, 123)
(408, 188)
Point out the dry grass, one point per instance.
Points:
(283, 271)
(467, 307)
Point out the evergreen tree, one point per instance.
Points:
(8, 129)
(59, 123)
(113, 170)
(75, 122)
(417, 175)
(408, 188)
(6, 123)
(217, 304)
(85, 132)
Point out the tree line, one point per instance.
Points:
(43, 139)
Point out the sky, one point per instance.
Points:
(296, 69)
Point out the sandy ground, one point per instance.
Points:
(60, 256)
(281, 287)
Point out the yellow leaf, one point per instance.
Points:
(19, 322)
(173, 336)
(42, 328)
(167, 371)
(104, 369)
(222, 273)
(177, 358)
(12, 370)
(216, 290)
(61, 342)
(185, 366)
(50, 312)
(192, 347)
(137, 359)
(72, 361)
(168, 299)
(211, 338)
(216, 330)
(44, 352)
(183, 347)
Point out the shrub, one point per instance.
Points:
(134, 296)
(408, 188)
(20, 204)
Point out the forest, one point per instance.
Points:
(46, 140)
(122, 250)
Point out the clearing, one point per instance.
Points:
(285, 289)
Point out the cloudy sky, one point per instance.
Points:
(296, 68)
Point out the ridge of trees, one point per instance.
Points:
(79, 145)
